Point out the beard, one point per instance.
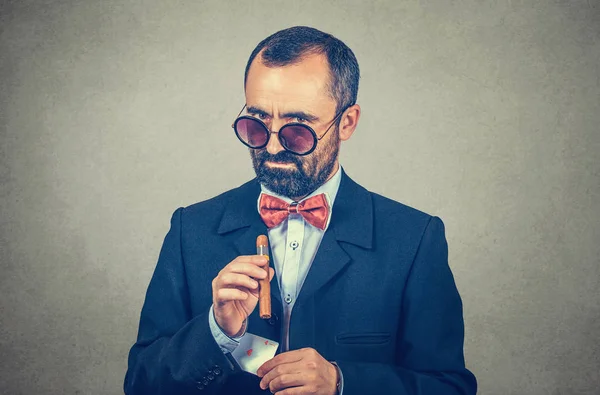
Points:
(306, 174)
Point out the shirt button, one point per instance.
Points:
(294, 244)
(288, 298)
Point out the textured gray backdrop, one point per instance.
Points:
(114, 113)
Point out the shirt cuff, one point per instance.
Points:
(341, 377)
(226, 343)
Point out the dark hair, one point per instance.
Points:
(291, 45)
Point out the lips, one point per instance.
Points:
(279, 164)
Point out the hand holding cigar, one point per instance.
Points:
(264, 286)
(236, 290)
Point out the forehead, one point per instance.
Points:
(296, 86)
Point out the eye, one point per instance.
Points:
(300, 120)
(261, 116)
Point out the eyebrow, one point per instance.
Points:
(292, 114)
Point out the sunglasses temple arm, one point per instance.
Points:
(332, 123)
(238, 115)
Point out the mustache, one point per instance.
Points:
(281, 157)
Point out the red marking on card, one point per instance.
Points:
(266, 342)
(249, 352)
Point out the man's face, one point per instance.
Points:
(294, 93)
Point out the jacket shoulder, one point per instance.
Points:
(387, 205)
(400, 219)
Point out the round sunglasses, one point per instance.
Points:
(295, 137)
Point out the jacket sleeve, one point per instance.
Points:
(175, 353)
(429, 346)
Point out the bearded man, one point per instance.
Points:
(363, 299)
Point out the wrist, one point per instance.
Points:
(338, 377)
(240, 332)
(228, 332)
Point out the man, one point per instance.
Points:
(363, 302)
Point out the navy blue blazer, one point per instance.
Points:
(379, 299)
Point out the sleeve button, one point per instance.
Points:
(200, 386)
(210, 376)
(217, 370)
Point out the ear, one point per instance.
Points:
(349, 121)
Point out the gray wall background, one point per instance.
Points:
(114, 113)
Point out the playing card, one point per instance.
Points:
(253, 351)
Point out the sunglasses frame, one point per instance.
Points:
(269, 133)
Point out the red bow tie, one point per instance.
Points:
(315, 210)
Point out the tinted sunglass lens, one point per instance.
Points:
(251, 132)
(297, 138)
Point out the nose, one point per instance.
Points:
(274, 146)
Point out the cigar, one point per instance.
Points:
(264, 286)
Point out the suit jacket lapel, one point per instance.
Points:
(351, 222)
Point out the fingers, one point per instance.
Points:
(250, 265)
(271, 274)
(281, 364)
(228, 294)
(241, 273)
(286, 357)
(294, 391)
(232, 280)
(298, 371)
(281, 377)
(283, 381)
